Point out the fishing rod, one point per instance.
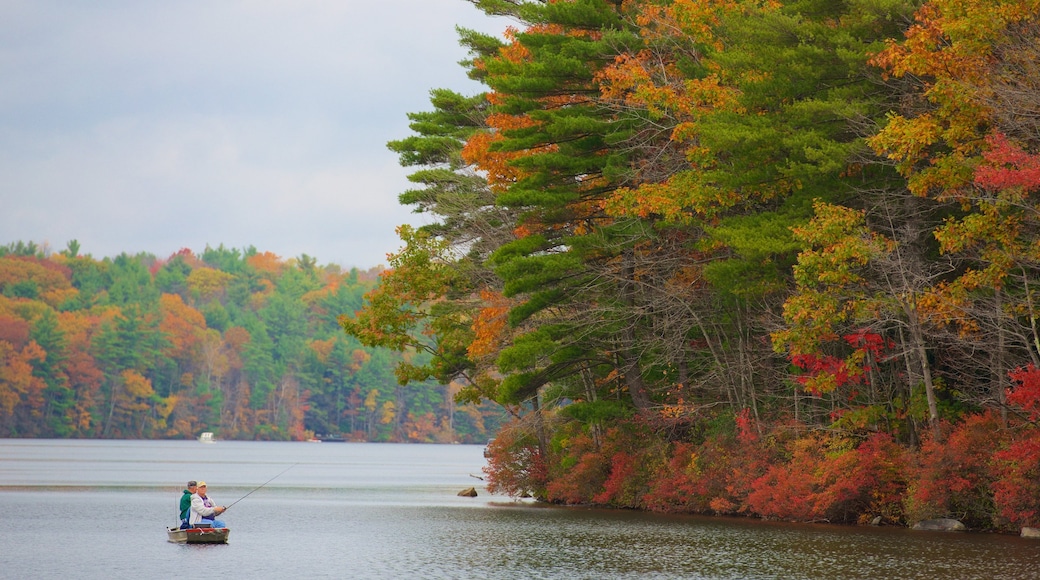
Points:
(261, 485)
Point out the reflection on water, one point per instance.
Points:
(96, 509)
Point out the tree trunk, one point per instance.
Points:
(917, 336)
(628, 356)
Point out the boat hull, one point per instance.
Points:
(198, 535)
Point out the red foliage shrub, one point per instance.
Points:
(516, 465)
(827, 479)
(786, 490)
(714, 476)
(952, 477)
(858, 485)
(678, 486)
(611, 470)
(622, 473)
(1026, 393)
(578, 475)
(887, 463)
(1016, 489)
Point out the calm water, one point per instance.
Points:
(98, 509)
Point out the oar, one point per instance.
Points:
(261, 485)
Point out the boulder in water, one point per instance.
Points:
(940, 525)
(471, 492)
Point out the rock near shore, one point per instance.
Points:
(940, 525)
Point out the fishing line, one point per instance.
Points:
(261, 485)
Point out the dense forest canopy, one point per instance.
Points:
(758, 257)
(238, 342)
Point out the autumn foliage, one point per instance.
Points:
(793, 474)
(748, 258)
(243, 344)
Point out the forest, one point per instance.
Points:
(765, 258)
(240, 343)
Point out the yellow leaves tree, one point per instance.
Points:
(851, 281)
(132, 398)
(966, 71)
(409, 312)
(833, 294)
(946, 59)
(36, 278)
(208, 283)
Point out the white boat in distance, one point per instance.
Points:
(206, 437)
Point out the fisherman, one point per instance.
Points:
(203, 510)
(185, 506)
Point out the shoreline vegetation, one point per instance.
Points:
(764, 258)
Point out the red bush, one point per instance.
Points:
(1026, 393)
(827, 479)
(1016, 491)
(579, 476)
(677, 487)
(617, 487)
(858, 485)
(952, 477)
(786, 490)
(515, 464)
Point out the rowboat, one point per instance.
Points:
(198, 535)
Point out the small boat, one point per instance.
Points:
(206, 437)
(198, 535)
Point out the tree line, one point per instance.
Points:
(761, 257)
(237, 342)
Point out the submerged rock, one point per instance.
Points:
(471, 492)
(940, 525)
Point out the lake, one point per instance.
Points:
(98, 509)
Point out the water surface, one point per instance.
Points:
(98, 509)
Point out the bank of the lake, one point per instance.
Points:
(97, 509)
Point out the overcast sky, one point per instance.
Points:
(151, 126)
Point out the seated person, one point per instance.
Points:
(185, 511)
(203, 510)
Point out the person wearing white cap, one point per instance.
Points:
(203, 510)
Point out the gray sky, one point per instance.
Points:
(151, 126)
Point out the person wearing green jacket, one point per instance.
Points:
(186, 504)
